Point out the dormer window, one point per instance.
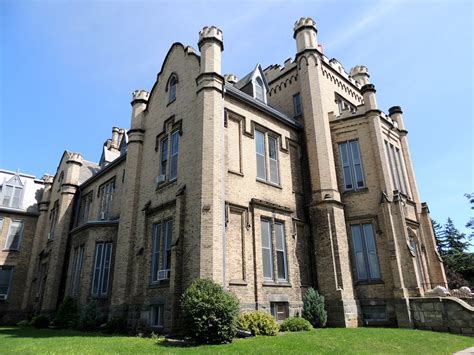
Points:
(12, 192)
(259, 89)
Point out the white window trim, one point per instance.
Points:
(351, 165)
(159, 253)
(267, 166)
(106, 199)
(273, 250)
(10, 238)
(99, 292)
(166, 169)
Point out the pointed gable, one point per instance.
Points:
(254, 84)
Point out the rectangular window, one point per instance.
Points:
(157, 313)
(15, 233)
(106, 194)
(1, 225)
(84, 208)
(351, 165)
(267, 254)
(155, 251)
(297, 105)
(78, 257)
(279, 310)
(280, 250)
(365, 252)
(6, 277)
(100, 281)
(53, 220)
(174, 155)
(12, 196)
(267, 157)
(397, 170)
(162, 236)
(260, 150)
(273, 159)
(164, 157)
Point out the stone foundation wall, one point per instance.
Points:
(447, 314)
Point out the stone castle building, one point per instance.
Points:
(288, 178)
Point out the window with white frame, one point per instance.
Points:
(6, 277)
(297, 105)
(12, 192)
(397, 169)
(1, 225)
(169, 149)
(351, 162)
(343, 105)
(101, 271)
(267, 157)
(365, 252)
(106, 195)
(15, 233)
(157, 315)
(162, 235)
(77, 259)
(274, 261)
(53, 220)
(84, 208)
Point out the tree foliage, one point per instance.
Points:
(313, 308)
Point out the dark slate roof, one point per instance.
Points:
(233, 91)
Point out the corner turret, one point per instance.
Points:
(305, 34)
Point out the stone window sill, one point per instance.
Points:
(166, 184)
(371, 282)
(269, 183)
(276, 284)
(237, 283)
(238, 173)
(159, 284)
(357, 191)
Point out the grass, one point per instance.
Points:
(327, 341)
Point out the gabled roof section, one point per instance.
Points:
(15, 181)
(88, 169)
(250, 76)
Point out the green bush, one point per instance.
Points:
(209, 312)
(313, 308)
(67, 315)
(40, 322)
(23, 323)
(295, 324)
(116, 325)
(90, 317)
(258, 323)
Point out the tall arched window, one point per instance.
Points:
(416, 252)
(172, 89)
(259, 89)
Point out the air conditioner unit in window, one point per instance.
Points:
(50, 236)
(160, 179)
(3, 297)
(102, 216)
(163, 274)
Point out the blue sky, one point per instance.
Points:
(68, 68)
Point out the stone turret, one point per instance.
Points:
(211, 46)
(360, 74)
(368, 92)
(230, 78)
(139, 104)
(305, 34)
(396, 114)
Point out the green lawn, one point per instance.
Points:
(327, 341)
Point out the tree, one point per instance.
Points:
(438, 230)
(470, 223)
(451, 239)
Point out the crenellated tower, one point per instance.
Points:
(326, 210)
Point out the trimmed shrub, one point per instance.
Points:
(116, 325)
(209, 312)
(67, 315)
(40, 322)
(295, 324)
(313, 308)
(90, 317)
(258, 323)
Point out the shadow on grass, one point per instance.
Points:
(31, 332)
